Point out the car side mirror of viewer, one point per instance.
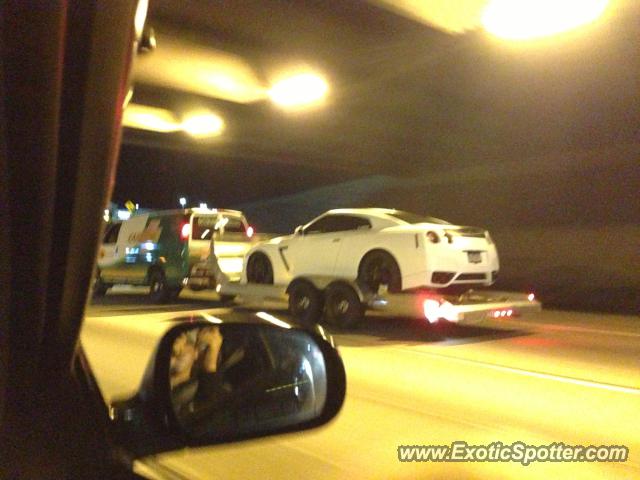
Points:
(216, 383)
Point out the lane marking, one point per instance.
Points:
(159, 315)
(555, 326)
(529, 373)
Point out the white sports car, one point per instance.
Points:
(377, 246)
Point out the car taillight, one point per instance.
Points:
(433, 236)
(250, 231)
(185, 231)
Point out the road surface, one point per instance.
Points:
(556, 377)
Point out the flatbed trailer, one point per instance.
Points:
(343, 302)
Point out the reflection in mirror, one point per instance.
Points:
(238, 379)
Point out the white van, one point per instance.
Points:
(159, 248)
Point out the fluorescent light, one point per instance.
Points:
(144, 117)
(531, 19)
(203, 125)
(299, 90)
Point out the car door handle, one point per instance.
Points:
(335, 240)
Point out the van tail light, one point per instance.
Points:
(185, 231)
(250, 231)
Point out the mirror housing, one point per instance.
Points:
(265, 379)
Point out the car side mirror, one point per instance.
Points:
(298, 230)
(215, 383)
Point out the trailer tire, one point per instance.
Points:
(305, 302)
(343, 307)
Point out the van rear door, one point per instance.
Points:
(231, 243)
(202, 227)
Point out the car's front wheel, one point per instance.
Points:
(259, 269)
(380, 268)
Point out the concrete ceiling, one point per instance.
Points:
(409, 93)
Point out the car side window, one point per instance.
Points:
(323, 225)
(111, 236)
(337, 223)
(354, 223)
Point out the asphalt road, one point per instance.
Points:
(556, 377)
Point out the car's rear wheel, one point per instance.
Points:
(380, 268)
(259, 269)
(343, 307)
(305, 302)
(100, 287)
(159, 291)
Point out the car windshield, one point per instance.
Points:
(415, 218)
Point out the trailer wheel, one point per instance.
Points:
(305, 302)
(343, 307)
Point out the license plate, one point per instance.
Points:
(474, 257)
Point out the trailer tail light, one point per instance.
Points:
(436, 308)
(185, 231)
(431, 309)
(250, 231)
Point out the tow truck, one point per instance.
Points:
(345, 303)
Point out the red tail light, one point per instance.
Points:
(250, 231)
(185, 231)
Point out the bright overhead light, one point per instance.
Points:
(144, 117)
(203, 125)
(300, 90)
(531, 19)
